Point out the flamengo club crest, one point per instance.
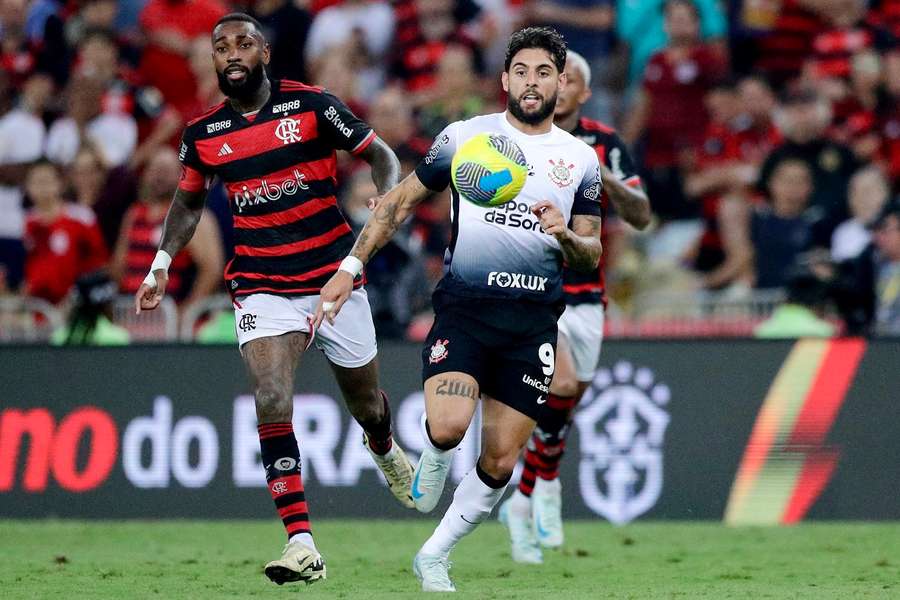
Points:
(288, 131)
(560, 173)
(621, 430)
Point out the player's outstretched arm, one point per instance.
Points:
(181, 222)
(581, 246)
(385, 165)
(392, 210)
(631, 203)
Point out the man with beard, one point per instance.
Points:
(533, 512)
(496, 308)
(273, 145)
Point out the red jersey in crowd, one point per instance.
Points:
(60, 251)
(143, 231)
(676, 89)
(280, 173)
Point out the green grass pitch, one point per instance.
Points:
(372, 559)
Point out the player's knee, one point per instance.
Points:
(273, 405)
(498, 465)
(564, 385)
(447, 433)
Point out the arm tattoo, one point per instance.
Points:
(389, 215)
(582, 248)
(384, 163)
(181, 221)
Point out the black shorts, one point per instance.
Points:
(509, 347)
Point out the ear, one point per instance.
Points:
(267, 54)
(584, 95)
(563, 78)
(504, 81)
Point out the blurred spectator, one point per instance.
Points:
(21, 142)
(667, 115)
(194, 274)
(803, 120)
(640, 24)
(391, 116)
(170, 27)
(361, 29)
(286, 26)
(62, 240)
(588, 27)
(425, 28)
(784, 33)
(886, 236)
(867, 288)
(801, 314)
(90, 318)
(219, 329)
(728, 163)
(98, 58)
(889, 117)
(114, 133)
(395, 275)
(107, 192)
(208, 93)
(780, 231)
(454, 96)
(868, 194)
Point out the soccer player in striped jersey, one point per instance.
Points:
(273, 145)
(533, 512)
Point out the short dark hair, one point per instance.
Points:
(241, 18)
(545, 38)
(668, 4)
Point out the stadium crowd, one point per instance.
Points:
(767, 134)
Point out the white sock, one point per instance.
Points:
(472, 503)
(546, 486)
(304, 538)
(520, 504)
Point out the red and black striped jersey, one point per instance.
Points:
(278, 167)
(589, 287)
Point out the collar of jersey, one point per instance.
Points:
(509, 127)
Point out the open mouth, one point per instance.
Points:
(236, 73)
(531, 100)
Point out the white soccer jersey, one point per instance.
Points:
(502, 252)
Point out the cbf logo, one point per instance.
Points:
(288, 131)
(621, 429)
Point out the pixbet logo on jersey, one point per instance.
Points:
(269, 192)
(518, 281)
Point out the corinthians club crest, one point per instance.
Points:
(560, 173)
(621, 430)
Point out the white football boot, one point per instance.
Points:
(546, 511)
(429, 478)
(433, 573)
(397, 470)
(298, 562)
(525, 547)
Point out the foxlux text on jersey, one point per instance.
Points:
(269, 192)
(519, 281)
(513, 214)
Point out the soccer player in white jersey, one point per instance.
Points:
(533, 514)
(497, 306)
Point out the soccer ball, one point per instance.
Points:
(489, 169)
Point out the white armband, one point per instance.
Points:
(351, 265)
(161, 261)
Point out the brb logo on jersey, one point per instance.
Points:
(621, 429)
(288, 131)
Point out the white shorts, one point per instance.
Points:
(582, 325)
(349, 343)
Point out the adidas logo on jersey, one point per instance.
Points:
(225, 150)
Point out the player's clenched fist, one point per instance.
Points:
(551, 218)
(149, 296)
(333, 296)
